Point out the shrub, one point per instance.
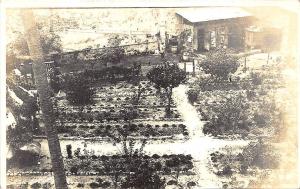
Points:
(192, 95)
(155, 156)
(74, 169)
(256, 78)
(261, 155)
(157, 166)
(36, 185)
(78, 90)
(47, 185)
(105, 184)
(94, 185)
(227, 170)
(172, 182)
(80, 185)
(220, 63)
(167, 77)
(230, 116)
(191, 184)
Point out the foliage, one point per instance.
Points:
(80, 185)
(78, 90)
(47, 185)
(192, 95)
(36, 185)
(255, 155)
(260, 154)
(220, 64)
(256, 78)
(144, 176)
(113, 74)
(180, 163)
(211, 84)
(100, 184)
(230, 116)
(113, 53)
(113, 168)
(167, 77)
(183, 44)
(20, 135)
(50, 41)
(74, 169)
(55, 82)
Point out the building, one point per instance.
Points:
(214, 27)
(207, 28)
(264, 38)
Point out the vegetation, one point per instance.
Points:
(230, 116)
(50, 41)
(144, 176)
(254, 155)
(113, 74)
(220, 64)
(192, 95)
(78, 90)
(167, 77)
(55, 81)
(113, 53)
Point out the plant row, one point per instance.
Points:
(104, 165)
(134, 130)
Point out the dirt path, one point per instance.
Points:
(199, 145)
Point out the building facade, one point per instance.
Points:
(216, 27)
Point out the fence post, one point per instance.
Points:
(194, 69)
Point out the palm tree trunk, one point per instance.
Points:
(44, 91)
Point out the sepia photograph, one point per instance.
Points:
(172, 97)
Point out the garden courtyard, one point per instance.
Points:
(150, 123)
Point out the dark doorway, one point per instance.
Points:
(201, 35)
(235, 37)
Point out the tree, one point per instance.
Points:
(113, 53)
(77, 89)
(219, 64)
(167, 77)
(24, 112)
(50, 42)
(44, 91)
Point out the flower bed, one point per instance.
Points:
(110, 115)
(166, 164)
(136, 130)
(97, 165)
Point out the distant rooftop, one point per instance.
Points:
(213, 13)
